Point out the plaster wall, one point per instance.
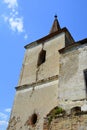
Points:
(72, 88)
(30, 72)
(28, 101)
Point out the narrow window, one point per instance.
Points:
(42, 57)
(33, 119)
(85, 77)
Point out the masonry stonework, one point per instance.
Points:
(78, 122)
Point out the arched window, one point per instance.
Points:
(75, 110)
(42, 57)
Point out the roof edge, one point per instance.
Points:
(47, 37)
(78, 43)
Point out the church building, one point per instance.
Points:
(52, 89)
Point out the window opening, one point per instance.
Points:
(42, 57)
(85, 77)
(75, 110)
(34, 119)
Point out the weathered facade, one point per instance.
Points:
(53, 75)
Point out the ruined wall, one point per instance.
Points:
(30, 72)
(72, 122)
(72, 88)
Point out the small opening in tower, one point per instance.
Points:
(42, 57)
(33, 119)
(85, 77)
(75, 110)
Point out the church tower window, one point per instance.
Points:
(42, 57)
(85, 76)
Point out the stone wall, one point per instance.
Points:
(69, 122)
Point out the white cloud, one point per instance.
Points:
(8, 110)
(4, 119)
(3, 116)
(13, 19)
(2, 122)
(25, 36)
(11, 3)
(16, 24)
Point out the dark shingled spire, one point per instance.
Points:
(55, 26)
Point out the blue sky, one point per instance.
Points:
(24, 21)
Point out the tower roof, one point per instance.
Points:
(55, 30)
(55, 26)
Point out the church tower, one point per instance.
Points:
(39, 89)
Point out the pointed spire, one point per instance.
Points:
(55, 26)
